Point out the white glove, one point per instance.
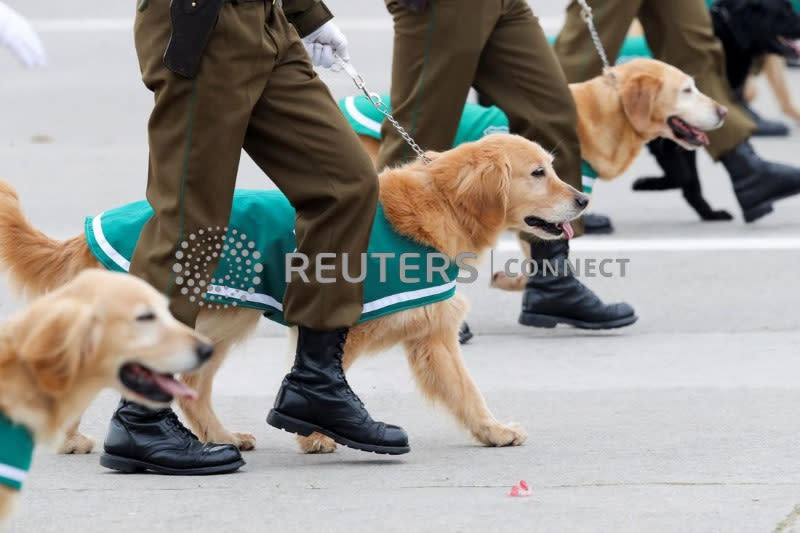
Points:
(324, 44)
(17, 34)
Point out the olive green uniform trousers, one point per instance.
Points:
(498, 47)
(679, 32)
(257, 90)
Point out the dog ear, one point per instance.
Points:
(65, 336)
(483, 187)
(638, 95)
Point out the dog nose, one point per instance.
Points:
(204, 351)
(581, 200)
(722, 112)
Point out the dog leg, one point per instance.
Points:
(200, 414)
(224, 328)
(437, 365)
(502, 281)
(75, 441)
(669, 156)
(693, 191)
(316, 443)
(775, 70)
(693, 194)
(8, 500)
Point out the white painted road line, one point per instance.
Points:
(366, 24)
(83, 25)
(590, 244)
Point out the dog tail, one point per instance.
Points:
(34, 262)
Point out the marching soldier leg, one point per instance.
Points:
(540, 107)
(298, 136)
(574, 47)
(196, 132)
(436, 54)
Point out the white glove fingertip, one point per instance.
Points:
(316, 57)
(327, 57)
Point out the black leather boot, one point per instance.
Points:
(554, 296)
(315, 396)
(595, 224)
(759, 183)
(142, 439)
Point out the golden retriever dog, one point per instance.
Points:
(101, 329)
(617, 115)
(642, 100)
(459, 202)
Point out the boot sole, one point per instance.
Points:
(133, 466)
(753, 214)
(551, 321)
(293, 425)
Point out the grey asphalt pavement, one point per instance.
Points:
(686, 421)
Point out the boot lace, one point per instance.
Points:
(175, 424)
(339, 354)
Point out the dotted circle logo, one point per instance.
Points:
(229, 255)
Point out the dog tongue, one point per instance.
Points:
(567, 228)
(174, 387)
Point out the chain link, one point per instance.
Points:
(381, 106)
(586, 15)
(383, 109)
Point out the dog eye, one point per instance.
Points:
(687, 90)
(145, 317)
(538, 173)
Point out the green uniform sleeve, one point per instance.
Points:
(306, 15)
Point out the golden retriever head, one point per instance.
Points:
(107, 329)
(660, 100)
(507, 182)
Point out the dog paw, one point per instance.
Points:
(662, 183)
(316, 443)
(244, 441)
(715, 216)
(511, 434)
(502, 281)
(76, 444)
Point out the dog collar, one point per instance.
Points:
(16, 452)
(589, 176)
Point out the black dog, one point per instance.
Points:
(748, 29)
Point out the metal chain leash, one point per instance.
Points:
(586, 15)
(381, 106)
(383, 109)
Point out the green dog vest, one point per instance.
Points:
(16, 453)
(476, 121)
(251, 271)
